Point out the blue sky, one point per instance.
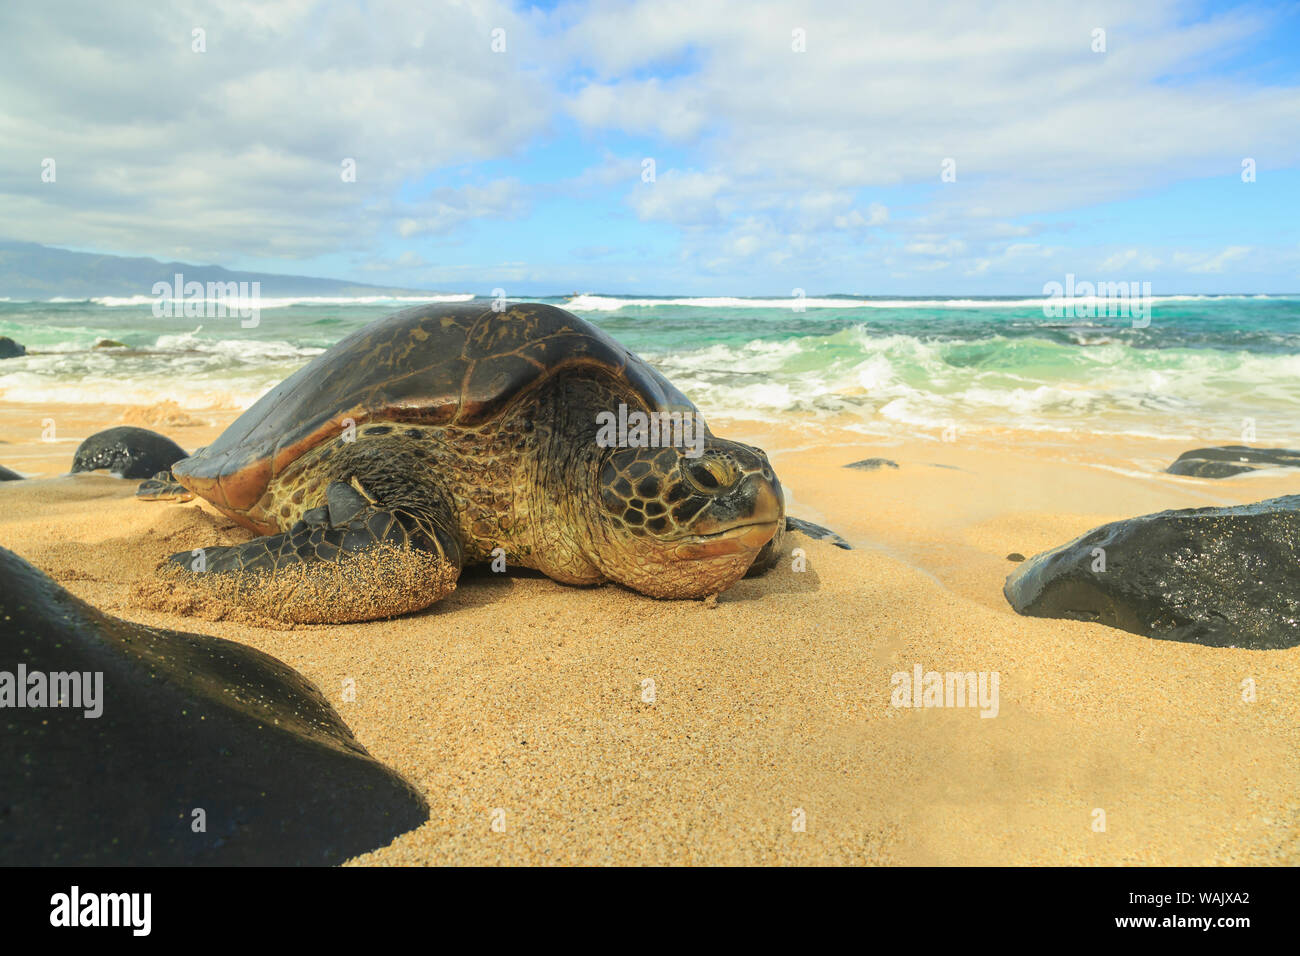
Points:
(774, 167)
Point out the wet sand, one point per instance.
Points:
(552, 724)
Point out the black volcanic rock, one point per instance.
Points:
(10, 349)
(1228, 460)
(1222, 577)
(187, 723)
(871, 464)
(127, 451)
(8, 474)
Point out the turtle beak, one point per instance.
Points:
(766, 501)
(744, 519)
(750, 538)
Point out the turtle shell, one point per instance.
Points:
(439, 364)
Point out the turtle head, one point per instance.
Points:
(685, 522)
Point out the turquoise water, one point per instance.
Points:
(1208, 367)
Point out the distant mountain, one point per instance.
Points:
(29, 270)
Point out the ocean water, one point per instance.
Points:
(1221, 368)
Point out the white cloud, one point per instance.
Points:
(239, 150)
(825, 162)
(1203, 263)
(681, 196)
(639, 105)
(450, 207)
(1035, 121)
(936, 246)
(876, 215)
(1129, 259)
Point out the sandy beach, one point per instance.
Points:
(548, 724)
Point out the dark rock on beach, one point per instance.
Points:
(10, 349)
(871, 464)
(187, 723)
(7, 474)
(1222, 577)
(1228, 460)
(127, 451)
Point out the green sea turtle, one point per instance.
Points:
(445, 435)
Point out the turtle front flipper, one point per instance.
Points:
(816, 531)
(163, 487)
(352, 559)
(772, 551)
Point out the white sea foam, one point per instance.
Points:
(188, 393)
(753, 357)
(248, 350)
(909, 382)
(609, 303)
(850, 374)
(281, 302)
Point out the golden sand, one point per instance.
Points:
(553, 724)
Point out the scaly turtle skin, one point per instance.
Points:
(446, 435)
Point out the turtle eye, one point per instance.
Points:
(711, 474)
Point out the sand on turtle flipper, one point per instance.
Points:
(377, 583)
